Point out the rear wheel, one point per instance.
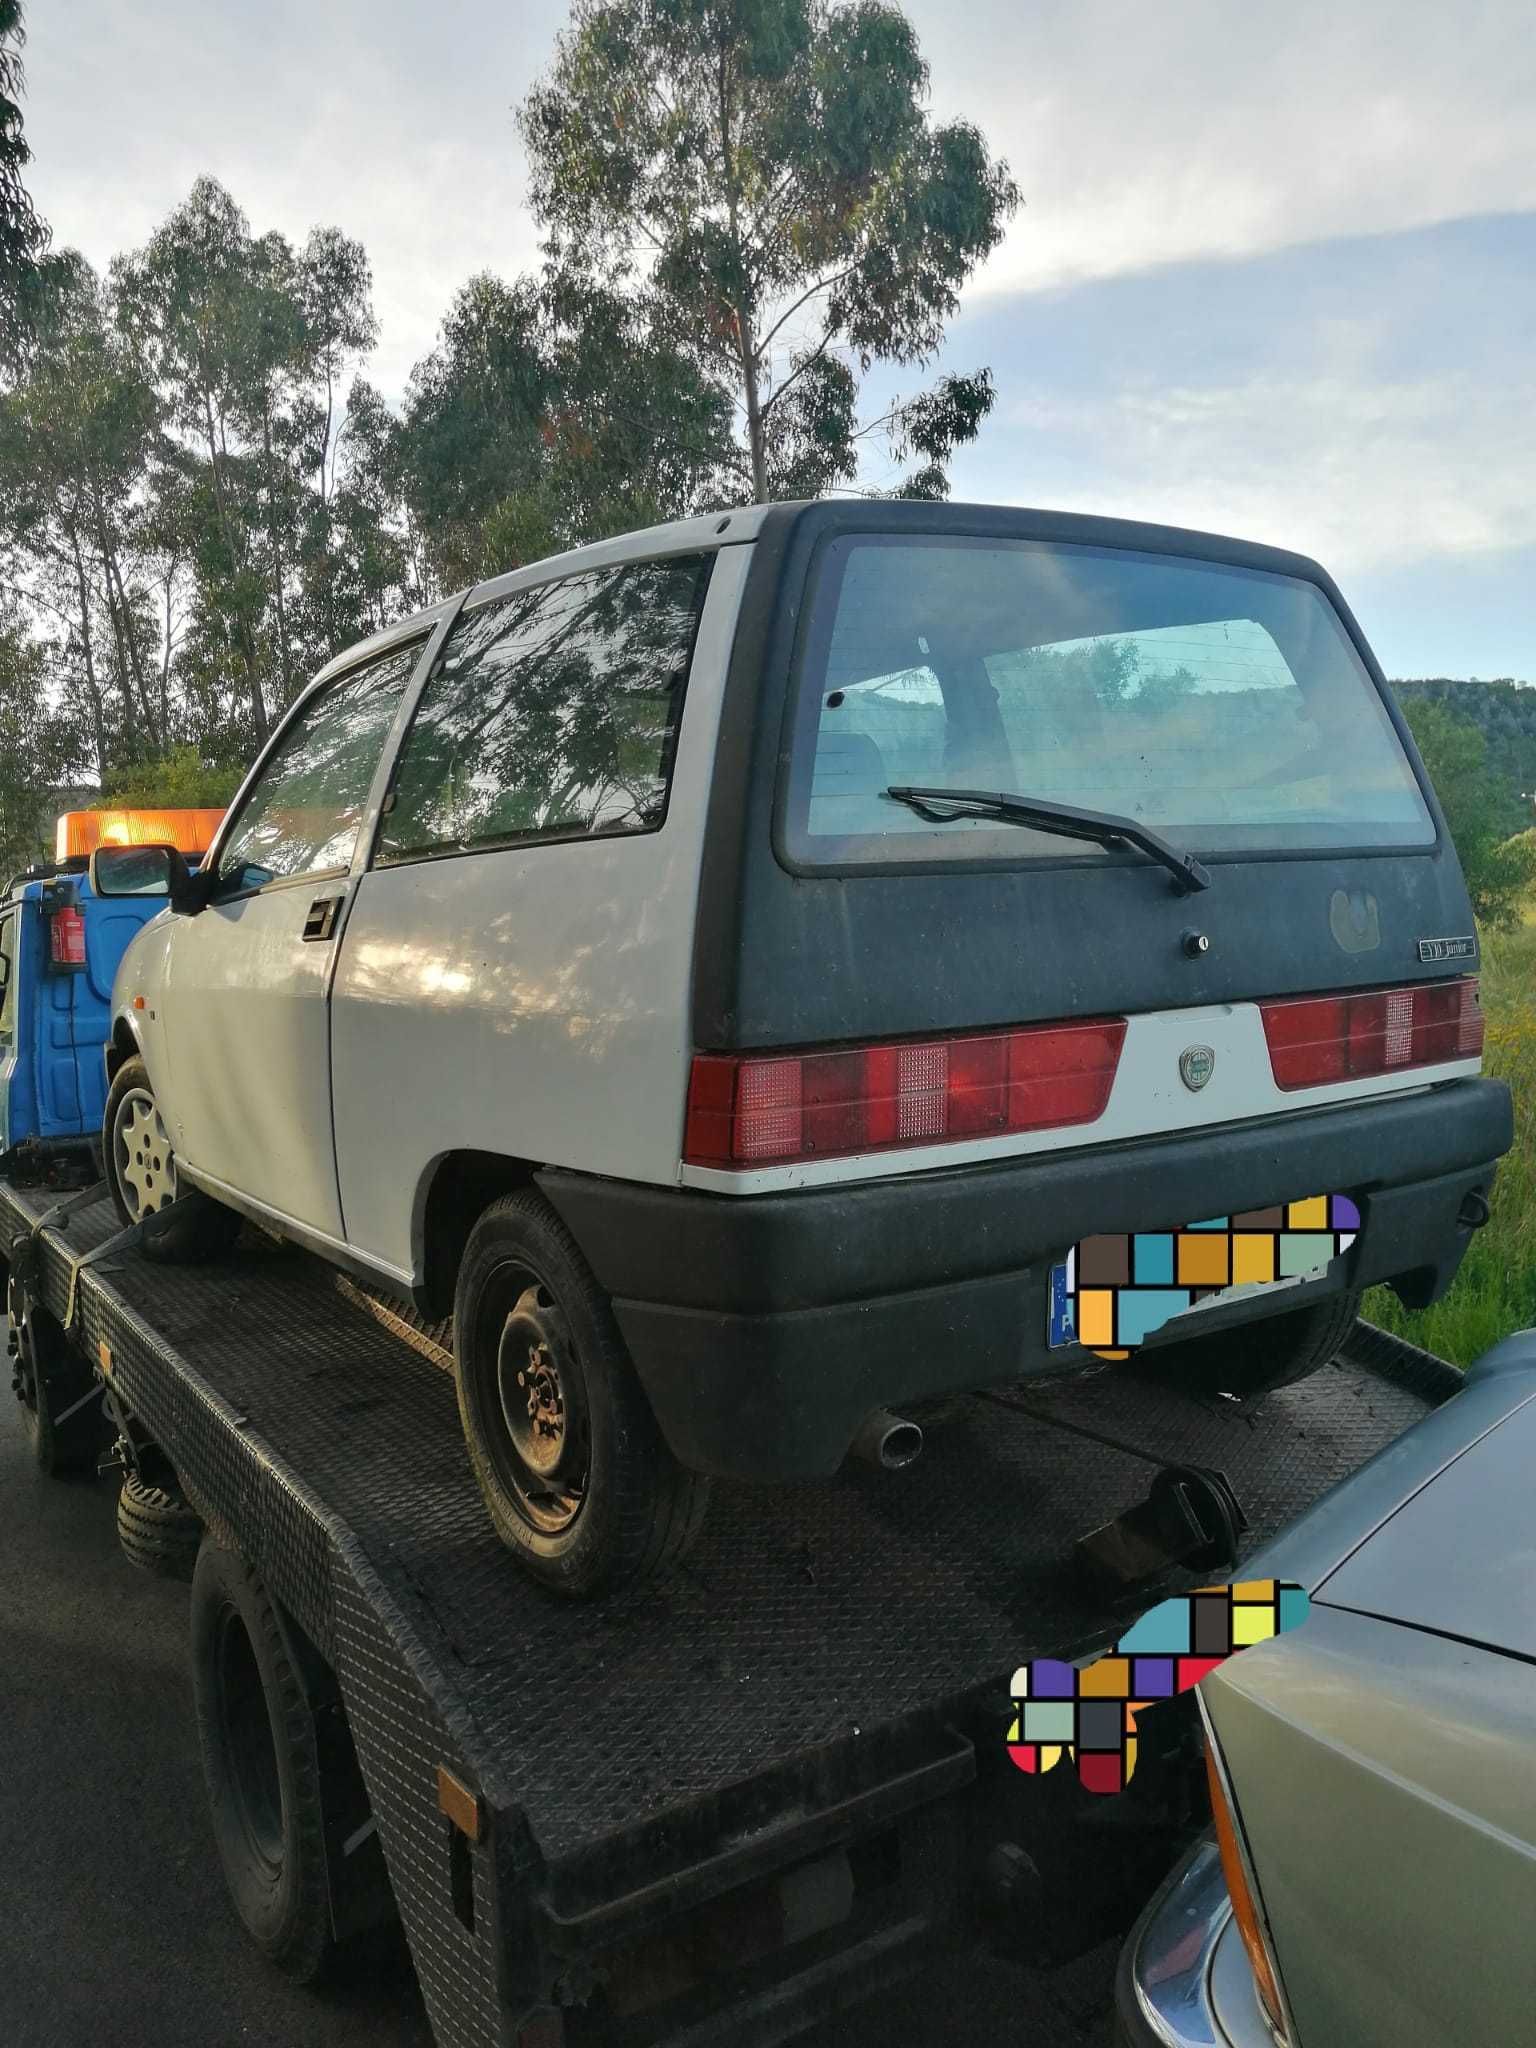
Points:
(1256, 1358)
(572, 1467)
(261, 1763)
(143, 1180)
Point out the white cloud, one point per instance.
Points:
(1361, 474)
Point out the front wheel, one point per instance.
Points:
(143, 1180)
(572, 1467)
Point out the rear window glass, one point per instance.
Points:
(1225, 708)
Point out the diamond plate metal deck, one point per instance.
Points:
(618, 1741)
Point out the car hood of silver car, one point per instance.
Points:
(1439, 1532)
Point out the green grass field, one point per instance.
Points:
(1495, 1291)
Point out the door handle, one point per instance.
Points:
(321, 921)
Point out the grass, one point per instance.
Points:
(1495, 1291)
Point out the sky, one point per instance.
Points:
(1275, 273)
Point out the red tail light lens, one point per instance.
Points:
(66, 938)
(769, 1109)
(1342, 1038)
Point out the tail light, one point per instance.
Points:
(66, 937)
(749, 1110)
(1341, 1038)
(1247, 1912)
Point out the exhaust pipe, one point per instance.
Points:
(887, 1440)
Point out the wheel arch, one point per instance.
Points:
(121, 1047)
(455, 1191)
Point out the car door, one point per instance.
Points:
(245, 1000)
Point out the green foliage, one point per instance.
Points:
(801, 216)
(1498, 868)
(23, 236)
(180, 780)
(1504, 712)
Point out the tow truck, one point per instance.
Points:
(718, 1811)
(59, 948)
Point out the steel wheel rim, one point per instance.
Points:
(534, 1395)
(141, 1152)
(250, 1745)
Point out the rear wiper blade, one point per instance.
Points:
(1104, 827)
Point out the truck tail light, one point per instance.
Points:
(66, 937)
(760, 1109)
(1247, 1912)
(1341, 1038)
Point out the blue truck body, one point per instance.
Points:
(55, 1018)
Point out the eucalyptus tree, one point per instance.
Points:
(23, 236)
(769, 170)
(77, 432)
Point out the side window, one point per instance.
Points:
(303, 815)
(9, 968)
(554, 714)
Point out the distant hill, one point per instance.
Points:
(1504, 712)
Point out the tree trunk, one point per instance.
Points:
(277, 555)
(92, 687)
(243, 627)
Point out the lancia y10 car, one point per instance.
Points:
(732, 967)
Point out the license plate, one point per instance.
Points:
(1061, 1328)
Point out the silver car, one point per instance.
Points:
(1373, 1876)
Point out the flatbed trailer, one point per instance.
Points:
(727, 1807)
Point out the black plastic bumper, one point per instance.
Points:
(766, 1327)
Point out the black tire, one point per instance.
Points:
(1256, 1358)
(141, 1176)
(158, 1530)
(606, 1504)
(61, 1398)
(260, 1764)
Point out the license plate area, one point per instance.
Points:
(1112, 1292)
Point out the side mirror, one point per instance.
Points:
(144, 871)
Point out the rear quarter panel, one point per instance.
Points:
(532, 1001)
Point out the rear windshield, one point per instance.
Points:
(1226, 708)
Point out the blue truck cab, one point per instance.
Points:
(59, 949)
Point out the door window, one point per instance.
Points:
(554, 714)
(303, 815)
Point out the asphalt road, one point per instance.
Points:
(115, 1931)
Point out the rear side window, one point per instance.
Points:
(554, 714)
(303, 814)
(1225, 707)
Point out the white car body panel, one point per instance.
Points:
(247, 1040)
(545, 988)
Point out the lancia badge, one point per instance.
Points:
(1197, 1063)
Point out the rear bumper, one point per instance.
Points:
(766, 1327)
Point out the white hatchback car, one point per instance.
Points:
(733, 965)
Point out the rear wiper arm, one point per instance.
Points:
(941, 805)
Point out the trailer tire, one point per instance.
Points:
(64, 1425)
(260, 1763)
(523, 1290)
(159, 1532)
(200, 1228)
(1258, 1358)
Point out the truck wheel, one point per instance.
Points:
(60, 1399)
(569, 1459)
(158, 1530)
(142, 1177)
(1256, 1358)
(260, 1763)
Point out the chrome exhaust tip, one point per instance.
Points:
(888, 1440)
